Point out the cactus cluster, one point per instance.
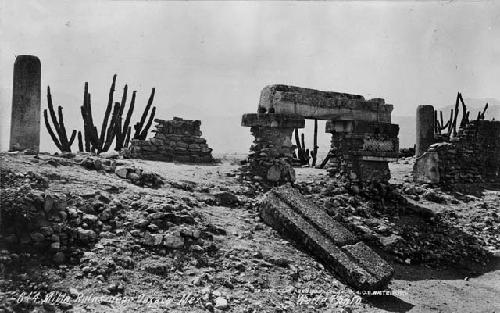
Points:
(113, 127)
(303, 155)
(450, 126)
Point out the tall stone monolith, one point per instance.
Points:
(425, 129)
(25, 118)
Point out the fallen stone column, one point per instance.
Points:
(298, 219)
(25, 118)
(272, 152)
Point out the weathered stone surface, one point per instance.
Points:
(425, 129)
(326, 105)
(371, 261)
(273, 120)
(318, 217)
(300, 220)
(121, 172)
(25, 118)
(426, 168)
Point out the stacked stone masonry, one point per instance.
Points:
(472, 158)
(360, 150)
(270, 155)
(176, 140)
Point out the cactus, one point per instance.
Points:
(93, 141)
(122, 130)
(140, 131)
(80, 142)
(439, 123)
(480, 115)
(302, 153)
(465, 113)
(61, 139)
(314, 153)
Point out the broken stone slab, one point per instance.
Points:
(338, 249)
(426, 168)
(327, 105)
(319, 218)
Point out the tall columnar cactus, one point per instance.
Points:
(302, 152)
(480, 115)
(439, 123)
(314, 152)
(141, 131)
(61, 139)
(80, 142)
(122, 130)
(93, 141)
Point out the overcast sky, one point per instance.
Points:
(209, 60)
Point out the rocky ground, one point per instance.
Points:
(164, 237)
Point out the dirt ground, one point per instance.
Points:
(253, 269)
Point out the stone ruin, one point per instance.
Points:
(176, 140)
(363, 138)
(25, 119)
(469, 160)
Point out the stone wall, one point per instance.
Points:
(361, 150)
(51, 224)
(470, 159)
(176, 140)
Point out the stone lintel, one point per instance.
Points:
(272, 120)
(323, 105)
(362, 127)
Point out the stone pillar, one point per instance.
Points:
(361, 150)
(25, 118)
(271, 155)
(425, 129)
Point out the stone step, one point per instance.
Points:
(300, 220)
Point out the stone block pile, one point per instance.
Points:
(176, 140)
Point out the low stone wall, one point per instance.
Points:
(176, 140)
(470, 159)
(49, 224)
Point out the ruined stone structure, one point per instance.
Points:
(469, 160)
(25, 118)
(363, 138)
(176, 140)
